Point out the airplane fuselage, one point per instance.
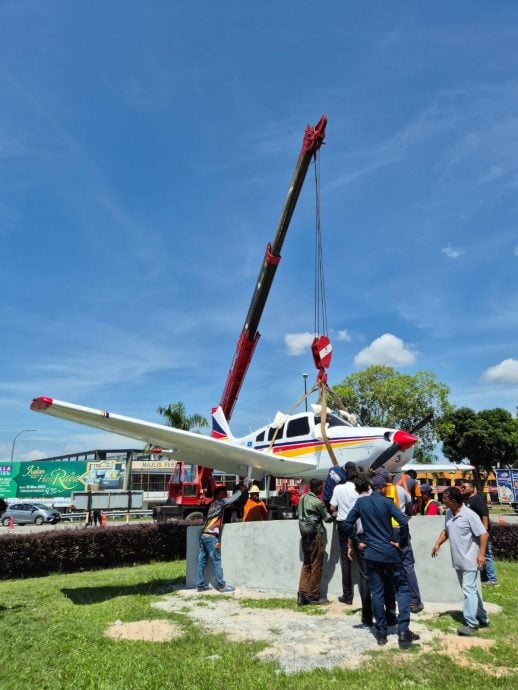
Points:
(300, 438)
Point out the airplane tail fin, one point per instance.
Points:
(220, 427)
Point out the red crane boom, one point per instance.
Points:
(313, 139)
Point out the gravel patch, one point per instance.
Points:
(295, 640)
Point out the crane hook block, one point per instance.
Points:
(322, 351)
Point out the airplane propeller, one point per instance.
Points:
(401, 441)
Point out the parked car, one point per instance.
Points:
(24, 513)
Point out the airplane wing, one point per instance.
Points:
(186, 445)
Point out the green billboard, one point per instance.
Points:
(56, 479)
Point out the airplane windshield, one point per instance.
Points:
(333, 420)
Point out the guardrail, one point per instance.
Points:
(110, 515)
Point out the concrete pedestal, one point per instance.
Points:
(266, 556)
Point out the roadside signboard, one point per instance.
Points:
(507, 483)
(58, 479)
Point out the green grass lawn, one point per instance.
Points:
(53, 636)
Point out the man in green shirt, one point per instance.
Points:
(311, 510)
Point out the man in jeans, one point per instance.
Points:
(468, 541)
(210, 538)
(311, 508)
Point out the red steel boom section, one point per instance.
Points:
(313, 139)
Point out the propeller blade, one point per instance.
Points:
(387, 453)
(402, 441)
(422, 423)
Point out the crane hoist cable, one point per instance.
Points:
(321, 347)
(320, 321)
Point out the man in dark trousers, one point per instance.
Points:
(312, 510)
(343, 498)
(384, 558)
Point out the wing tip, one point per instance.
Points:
(41, 404)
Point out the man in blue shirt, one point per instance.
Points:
(384, 558)
(336, 475)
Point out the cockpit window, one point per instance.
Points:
(260, 437)
(272, 430)
(298, 427)
(332, 420)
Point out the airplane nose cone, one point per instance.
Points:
(404, 439)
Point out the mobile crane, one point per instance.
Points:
(247, 342)
(191, 488)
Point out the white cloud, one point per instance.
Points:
(451, 252)
(298, 343)
(506, 372)
(34, 455)
(388, 350)
(344, 335)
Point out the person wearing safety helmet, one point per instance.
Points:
(254, 509)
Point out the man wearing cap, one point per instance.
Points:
(403, 501)
(254, 510)
(384, 558)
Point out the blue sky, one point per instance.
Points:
(145, 154)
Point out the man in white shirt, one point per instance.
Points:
(343, 498)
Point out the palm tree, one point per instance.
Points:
(177, 417)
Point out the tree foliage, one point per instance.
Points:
(177, 417)
(487, 438)
(381, 396)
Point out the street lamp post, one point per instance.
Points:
(305, 377)
(24, 431)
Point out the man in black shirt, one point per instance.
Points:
(478, 504)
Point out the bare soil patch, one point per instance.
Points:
(456, 648)
(148, 631)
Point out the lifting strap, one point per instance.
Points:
(323, 420)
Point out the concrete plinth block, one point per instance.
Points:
(266, 556)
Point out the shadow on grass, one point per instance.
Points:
(10, 608)
(95, 595)
(456, 615)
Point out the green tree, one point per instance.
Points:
(177, 417)
(487, 439)
(381, 396)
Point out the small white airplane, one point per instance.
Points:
(291, 447)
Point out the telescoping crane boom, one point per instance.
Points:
(249, 337)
